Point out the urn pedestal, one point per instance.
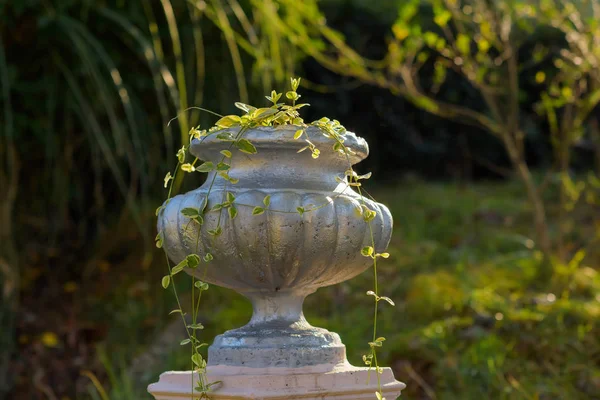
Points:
(276, 259)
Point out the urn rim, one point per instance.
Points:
(281, 138)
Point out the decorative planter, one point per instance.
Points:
(278, 258)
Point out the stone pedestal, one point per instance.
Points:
(342, 382)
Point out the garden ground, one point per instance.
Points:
(472, 318)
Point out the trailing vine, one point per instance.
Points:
(277, 114)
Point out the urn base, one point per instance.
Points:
(340, 382)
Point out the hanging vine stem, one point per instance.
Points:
(276, 115)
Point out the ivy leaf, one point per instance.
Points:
(166, 280)
(216, 232)
(300, 210)
(245, 146)
(388, 300)
(225, 175)
(226, 153)
(196, 326)
(179, 267)
(258, 210)
(385, 255)
(263, 113)
(223, 166)
(159, 240)
(205, 167)
(230, 197)
(232, 211)
(197, 360)
(184, 342)
(168, 177)
(181, 155)
(225, 136)
(244, 107)
(298, 133)
(208, 257)
(187, 167)
(203, 286)
(190, 212)
(228, 121)
(267, 200)
(367, 251)
(193, 260)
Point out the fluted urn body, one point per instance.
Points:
(277, 258)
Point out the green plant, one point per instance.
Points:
(232, 129)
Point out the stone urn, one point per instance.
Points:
(276, 259)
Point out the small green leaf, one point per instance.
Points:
(379, 396)
(216, 232)
(184, 342)
(181, 155)
(223, 166)
(267, 200)
(244, 107)
(385, 255)
(166, 280)
(178, 311)
(388, 300)
(245, 146)
(196, 326)
(193, 260)
(159, 240)
(298, 133)
(225, 136)
(197, 360)
(368, 215)
(226, 153)
(205, 167)
(203, 286)
(228, 121)
(263, 113)
(258, 210)
(190, 212)
(300, 210)
(168, 177)
(230, 197)
(292, 95)
(179, 267)
(232, 210)
(188, 167)
(208, 257)
(367, 251)
(159, 209)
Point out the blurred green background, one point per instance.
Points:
(482, 119)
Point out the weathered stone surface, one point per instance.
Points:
(278, 258)
(344, 382)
